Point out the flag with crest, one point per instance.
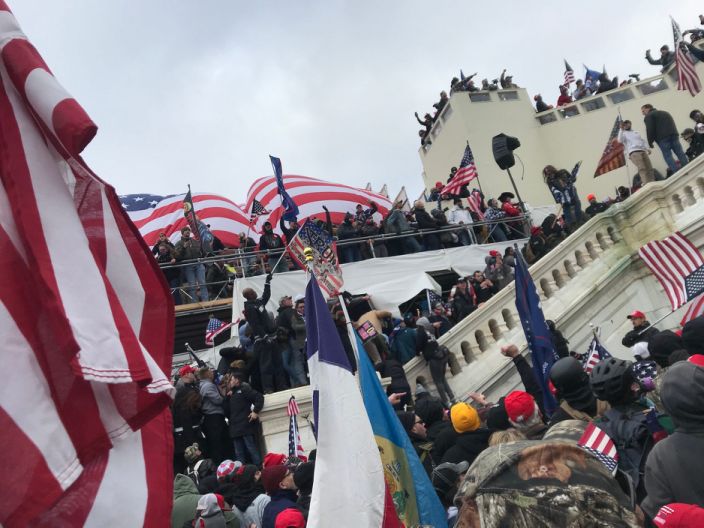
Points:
(613, 156)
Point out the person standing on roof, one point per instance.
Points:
(642, 331)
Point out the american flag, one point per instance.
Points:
(257, 210)
(687, 77)
(90, 328)
(695, 309)
(613, 156)
(678, 265)
(295, 448)
(153, 214)
(569, 74)
(311, 194)
(596, 353)
(433, 298)
(214, 328)
(598, 443)
(474, 201)
(465, 174)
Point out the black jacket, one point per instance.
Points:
(346, 230)
(255, 312)
(468, 446)
(424, 220)
(635, 335)
(444, 437)
(596, 208)
(237, 408)
(270, 240)
(483, 294)
(462, 305)
(659, 125)
(394, 370)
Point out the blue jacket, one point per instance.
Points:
(280, 501)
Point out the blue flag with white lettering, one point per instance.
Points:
(290, 207)
(535, 329)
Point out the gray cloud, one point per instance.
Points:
(202, 92)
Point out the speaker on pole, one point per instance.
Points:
(502, 147)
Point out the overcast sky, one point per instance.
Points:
(202, 92)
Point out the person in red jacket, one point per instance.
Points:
(511, 209)
(565, 97)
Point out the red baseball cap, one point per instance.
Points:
(520, 406)
(679, 515)
(186, 369)
(290, 518)
(697, 359)
(494, 253)
(636, 314)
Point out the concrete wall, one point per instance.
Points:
(561, 142)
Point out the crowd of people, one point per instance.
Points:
(462, 84)
(359, 237)
(650, 407)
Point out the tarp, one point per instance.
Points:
(389, 281)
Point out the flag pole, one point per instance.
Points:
(282, 256)
(628, 169)
(478, 181)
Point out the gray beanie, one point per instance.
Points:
(423, 322)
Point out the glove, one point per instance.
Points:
(269, 276)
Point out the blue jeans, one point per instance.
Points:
(669, 145)
(195, 273)
(350, 253)
(497, 233)
(463, 236)
(293, 365)
(246, 450)
(411, 245)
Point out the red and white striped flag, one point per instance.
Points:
(678, 265)
(86, 318)
(687, 77)
(310, 195)
(595, 354)
(215, 327)
(465, 174)
(295, 448)
(695, 309)
(569, 74)
(600, 445)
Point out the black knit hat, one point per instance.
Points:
(303, 477)
(662, 344)
(497, 417)
(693, 335)
(429, 410)
(407, 419)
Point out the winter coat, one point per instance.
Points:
(237, 408)
(397, 222)
(281, 500)
(665, 60)
(270, 240)
(463, 304)
(468, 446)
(483, 294)
(394, 370)
(283, 318)
(298, 325)
(403, 345)
(443, 437)
(169, 273)
(346, 230)
(659, 125)
(255, 313)
(187, 249)
(635, 336)
(674, 469)
(185, 501)
(424, 220)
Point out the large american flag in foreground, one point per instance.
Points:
(465, 173)
(86, 320)
(678, 265)
(687, 77)
(153, 214)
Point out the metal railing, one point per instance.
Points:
(250, 263)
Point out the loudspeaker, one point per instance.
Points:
(503, 146)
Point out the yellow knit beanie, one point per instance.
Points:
(464, 418)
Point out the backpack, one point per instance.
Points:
(632, 439)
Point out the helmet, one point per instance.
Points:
(611, 379)
(571, 382)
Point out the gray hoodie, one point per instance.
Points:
(674, 469)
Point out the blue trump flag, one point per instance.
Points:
(535, 329)
(415, 500)
(290, 207)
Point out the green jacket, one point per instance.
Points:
(186, 501)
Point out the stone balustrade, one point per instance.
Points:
(593, 276)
